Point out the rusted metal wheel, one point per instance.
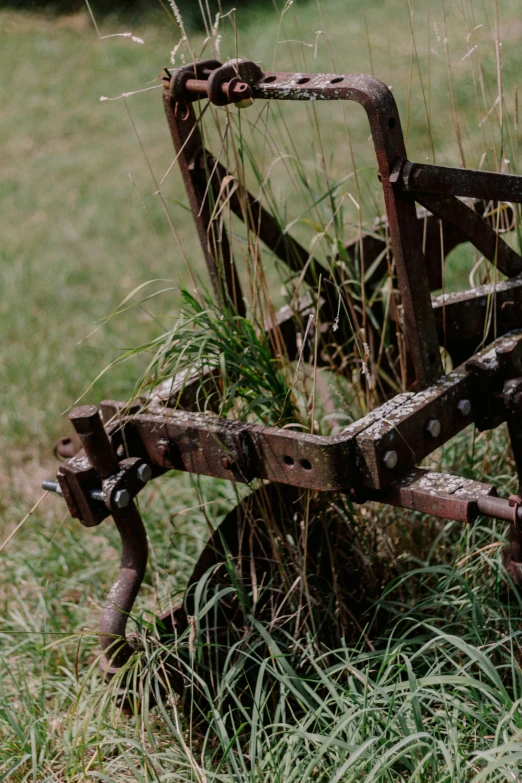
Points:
(282, 557)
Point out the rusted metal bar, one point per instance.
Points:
(240, 452)
(476, 229)
(499, 508)
(449, 497)
(487, 185)
(371, 453)
(441, 495)
(462, 315)
(414, 430)
(234, 90)
(262, 223)
(212, 234)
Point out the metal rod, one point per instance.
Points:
(53, 486)
(234, 90)
(187, 141)
(499, 508)
(197, 85)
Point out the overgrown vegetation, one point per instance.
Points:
(425, 685)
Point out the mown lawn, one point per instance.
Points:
(82, 228)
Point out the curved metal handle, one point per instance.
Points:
(124, 590)
(98, 448)
(388, 140)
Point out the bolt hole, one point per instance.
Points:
(269, 79)
(227, 464)
(304, 80)
(337, 80)
(306, 464)
(391, 123)
(288, 460)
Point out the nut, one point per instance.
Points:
(390, 459)
(121, 499)
(144, 473)
(433, 428)
(464, 407)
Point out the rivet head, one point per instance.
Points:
(144, 473)
(433, 428)
(390, 459)
(121, 498)
(464, 407)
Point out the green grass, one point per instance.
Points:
(439, 697)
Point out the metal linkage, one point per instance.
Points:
(101, 459)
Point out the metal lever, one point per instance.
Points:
(98, 448)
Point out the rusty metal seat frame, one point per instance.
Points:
(375, 458)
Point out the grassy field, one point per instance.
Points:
(440, 697)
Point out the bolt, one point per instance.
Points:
(121, 498)
(51, 486)
(433, 428)
(464, 407)
(390, 459)
(144, 473)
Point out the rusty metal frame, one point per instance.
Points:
(375, 458)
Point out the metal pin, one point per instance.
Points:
(52, 486)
